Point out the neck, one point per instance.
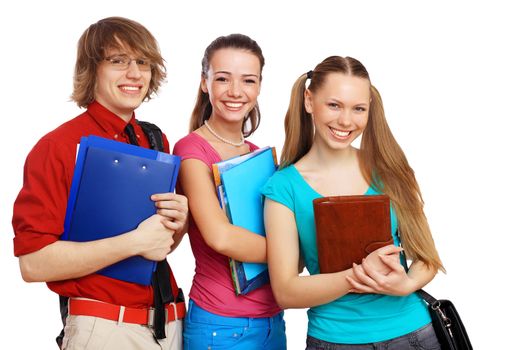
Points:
(125, 116)
(228, 130)
(328, 158)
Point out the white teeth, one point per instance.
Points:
(233, 104)
(130, 88)
(340, 133)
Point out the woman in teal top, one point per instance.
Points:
(371, 305)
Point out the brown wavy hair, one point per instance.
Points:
(113, 33)
(202, 110)
(382, 160)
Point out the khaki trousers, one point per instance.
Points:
(95, 333)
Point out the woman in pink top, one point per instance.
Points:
(225, 113)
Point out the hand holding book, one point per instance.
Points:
(153, 238)
(377, 260)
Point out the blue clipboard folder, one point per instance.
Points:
(239, 181)
(110, 195)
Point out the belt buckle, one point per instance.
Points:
(151, 317)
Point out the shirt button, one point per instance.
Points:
(214, 334)
(115, 136)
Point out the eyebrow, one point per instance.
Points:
(341, 102)
(229, 73)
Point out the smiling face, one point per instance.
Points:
(121, 91)
(233, 82)
(339, 109)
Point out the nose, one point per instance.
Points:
(345, 118)
(234, 89)
(133, 70)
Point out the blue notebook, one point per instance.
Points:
(239, 191)
(110, 195)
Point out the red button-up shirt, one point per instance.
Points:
(39, 210)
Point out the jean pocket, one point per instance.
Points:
(225, 337)
(426, 338)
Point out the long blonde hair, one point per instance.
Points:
(202, 109)
(382, 160)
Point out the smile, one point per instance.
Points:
(340, 133)
(233, 104)
(130, 88)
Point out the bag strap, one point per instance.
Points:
(427, 297)
(154, 135)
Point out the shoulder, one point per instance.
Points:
(282, 179)
(252, 146)
(62, 142)
(284, 175)
(188, 144)
(69, 132)
(192, 146)
(280, 187)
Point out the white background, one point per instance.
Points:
(451, 75)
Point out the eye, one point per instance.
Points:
(118, 60)
(143, 62)
(250, 81)
(333, 105)
(360, 109)
(221, 79)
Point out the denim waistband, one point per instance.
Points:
(197, 314)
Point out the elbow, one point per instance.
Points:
(219, 244)
(218, 241)
(284, 300)
(27, 270)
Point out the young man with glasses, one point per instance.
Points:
(118, 67)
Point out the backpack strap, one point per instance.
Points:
(154, 135)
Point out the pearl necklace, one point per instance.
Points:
(236, 144)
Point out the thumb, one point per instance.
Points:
(391, 261)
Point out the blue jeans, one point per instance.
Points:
(421, 339)
(204, 330)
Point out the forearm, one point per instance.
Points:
(310, 291)
(64, 260)
(239, 243)
(420, 274)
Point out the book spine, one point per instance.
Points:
(235, 278)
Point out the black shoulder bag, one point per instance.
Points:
(447, 324)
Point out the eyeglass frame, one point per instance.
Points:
(145, 67)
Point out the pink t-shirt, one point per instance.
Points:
(212, 287)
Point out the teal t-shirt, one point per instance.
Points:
(353, 318)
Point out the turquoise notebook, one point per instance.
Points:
(239, 190)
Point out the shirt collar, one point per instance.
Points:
(108, 121)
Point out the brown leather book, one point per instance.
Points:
(349, 228)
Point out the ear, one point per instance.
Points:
(204, 87)
(308, 101)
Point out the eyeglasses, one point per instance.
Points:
(122, 62)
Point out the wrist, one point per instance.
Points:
(411, 286)
(132, 242)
